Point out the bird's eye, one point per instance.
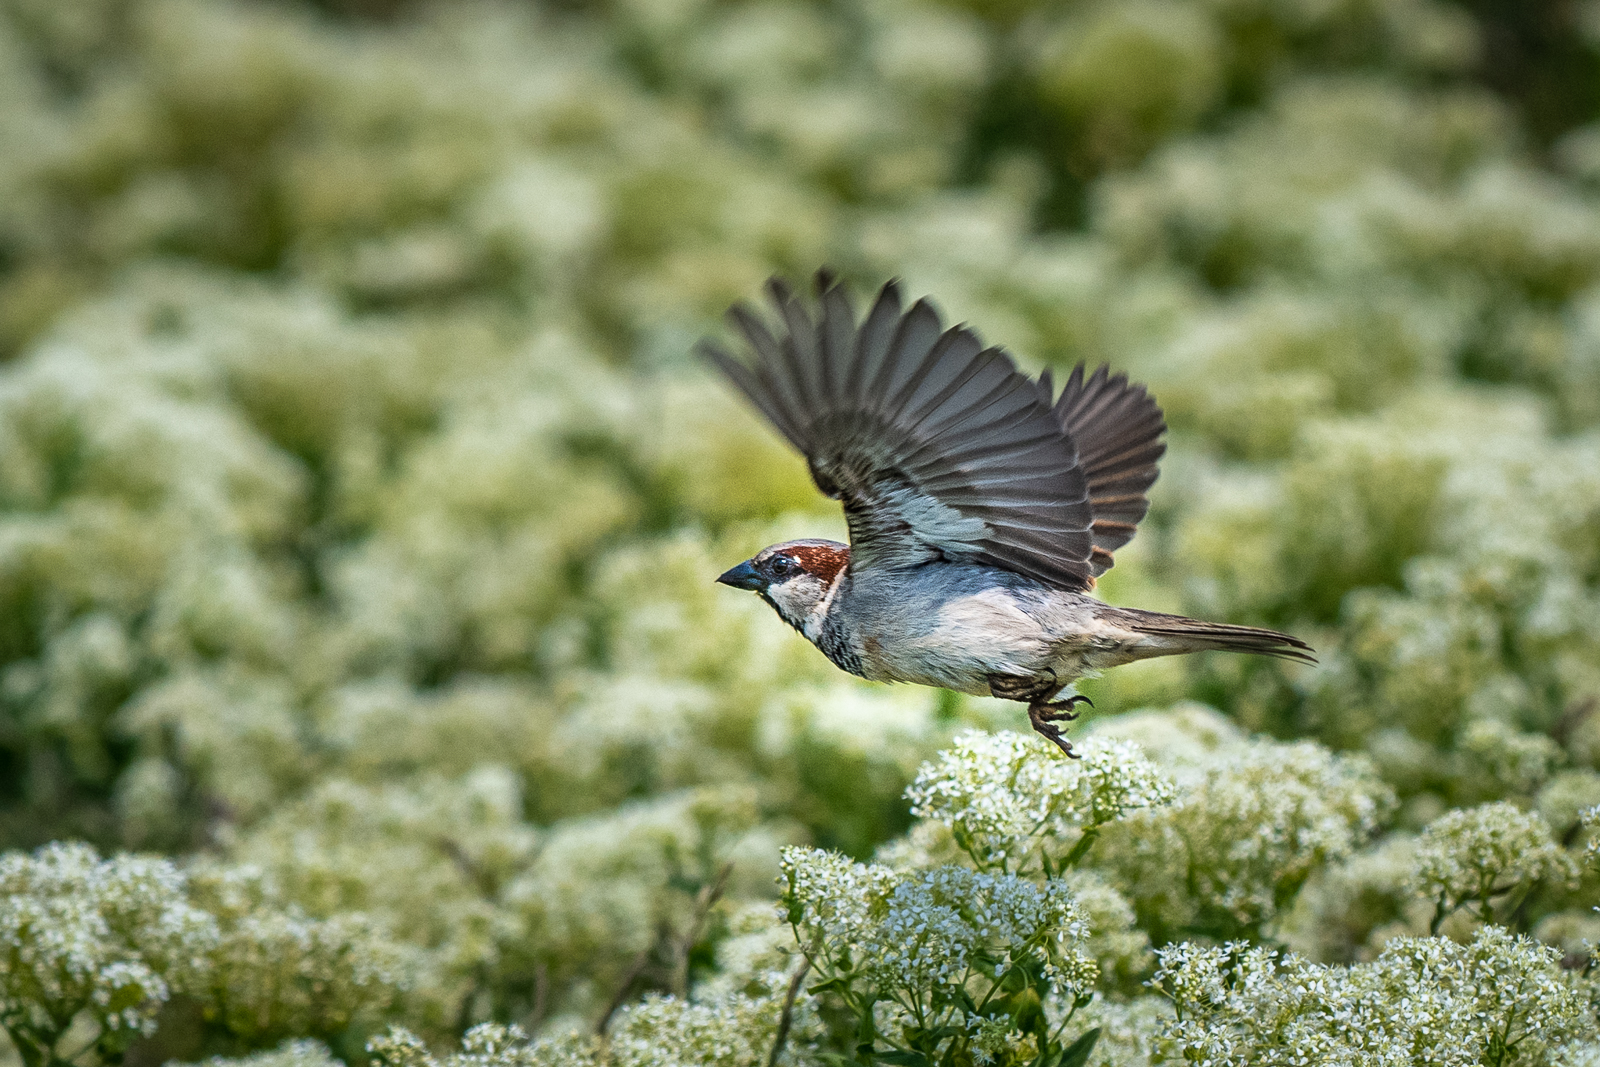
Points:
(783, 567)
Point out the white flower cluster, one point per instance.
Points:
(299, 1052)
(283, 972)
(915, 930)
(488, 1045)
(116, 938)
(658, 1031)
(278, 972)
(1477, 854)
(757, 958)
(1006, 797)
(1500, 999)
(728, 1031)
(412, 857)
(942, 958)
(603, 889)
(1589, 820)
(112, 938)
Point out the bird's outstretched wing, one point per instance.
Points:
(1117, 427)
(938, 447)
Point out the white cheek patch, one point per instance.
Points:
(820, 612)
(797, 600)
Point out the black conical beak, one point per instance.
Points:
(743, 576)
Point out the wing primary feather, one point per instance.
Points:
(977, 408)
(1118, 429)
(914, 339)
(799, 345)
(1006, 402)
(873, 341)
(837, 337)
(755, 332)
(757, 391)
(771, 364)
(970, 455)
(953, 362)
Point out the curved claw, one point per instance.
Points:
(1044, 717)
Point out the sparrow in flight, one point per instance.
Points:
(981, 506)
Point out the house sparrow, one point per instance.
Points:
(981, 507)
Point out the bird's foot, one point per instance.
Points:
(1044, 714)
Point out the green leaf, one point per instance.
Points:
(1077, 1053)
(836, 984)
(903, 1059)
(1026, 1009)
(927, 1039)
(1080, 849)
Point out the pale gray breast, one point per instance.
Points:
(947, 624)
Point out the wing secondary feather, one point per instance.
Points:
(1118, 427)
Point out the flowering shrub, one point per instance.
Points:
(362, 676)
(944, 963)
(1479, 854)
(1245, 838)
(1497, 1000)
(106, 943)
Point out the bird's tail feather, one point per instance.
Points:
(1197, 635)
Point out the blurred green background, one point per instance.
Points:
(360, 500)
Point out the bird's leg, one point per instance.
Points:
(1044, 714)
(1043, 711)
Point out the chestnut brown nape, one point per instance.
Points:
(825, 559)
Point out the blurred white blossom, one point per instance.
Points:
(360, 501)
(1244, 839)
